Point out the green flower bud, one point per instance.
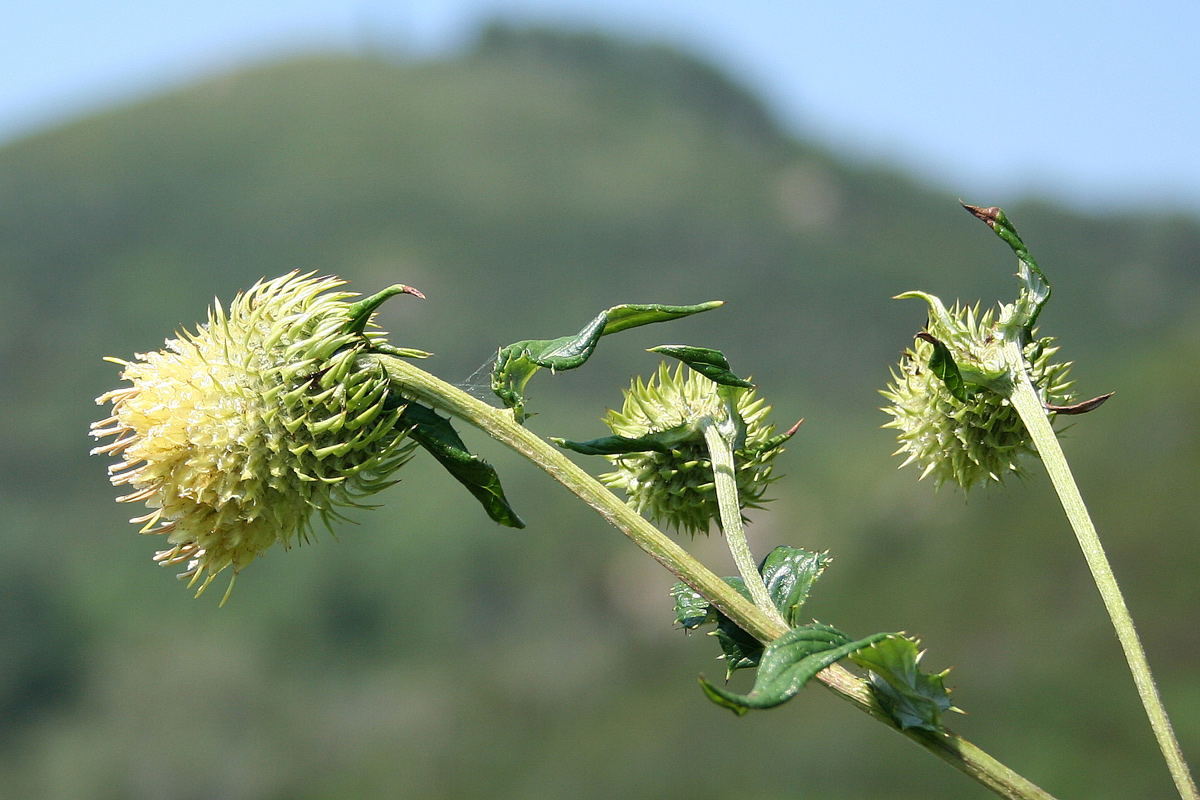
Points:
(676, 487)
(233, 435)
(974, 434)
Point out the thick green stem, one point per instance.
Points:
(1029, 405)
(415, 383)
(720, 454)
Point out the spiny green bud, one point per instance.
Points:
(675, 487)
(967, 432)
(233, 435)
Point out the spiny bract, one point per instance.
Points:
(233, 435)
(966, 443)
(676, 488)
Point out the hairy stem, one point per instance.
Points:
(1029, 405)
(720, 454)
(413, 382)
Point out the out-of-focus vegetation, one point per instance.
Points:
(427, 653)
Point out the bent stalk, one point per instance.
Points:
(413, 382)
(1029, 405)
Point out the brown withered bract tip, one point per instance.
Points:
(1080, 408)
(988, 215)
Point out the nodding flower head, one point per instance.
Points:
(233, 435)
(970, 434)
(675, 487)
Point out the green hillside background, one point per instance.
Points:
(524, 185)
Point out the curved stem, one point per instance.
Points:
(1029, 405)
(415, 383)
(720, 454)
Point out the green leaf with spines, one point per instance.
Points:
(912, 698)
(789, 573)
(787, 664)
(438, 437)
(692, 609)
(710, 363)
(517, 363)
(738, 648)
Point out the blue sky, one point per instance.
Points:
(1096, 103)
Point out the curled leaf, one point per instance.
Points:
(787, 664)
(360, 312)
(517, 363)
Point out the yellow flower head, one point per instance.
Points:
(233, 435)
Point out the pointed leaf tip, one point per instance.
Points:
(360, 312)
(992, 215)
(1080, 408)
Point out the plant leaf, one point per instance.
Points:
(659, 442)
(941, 364)
(516, 363)
(710, 363)
(1035, 289)
(437, 435)
(789, 573)
(738, 648)
(787, 664)
(912, 698)
(360, 313)
(692, 609)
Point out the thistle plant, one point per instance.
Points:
(958, 435)
(977, 393)
(235, 434)
(674, 483)
(291, 402)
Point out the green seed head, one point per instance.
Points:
(676, 488)
(233, 435)
(979, 439)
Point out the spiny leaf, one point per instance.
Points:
(739, 649)
(692, 609)
(789, 573)
(438, 437)
(710, 363)
(912, 698)
(516, 363)
(787, 664)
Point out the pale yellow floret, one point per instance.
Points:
(233, 435)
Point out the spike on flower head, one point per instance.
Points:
(973, 435)
(235, 434)
(676, 488)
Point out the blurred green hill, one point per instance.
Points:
(524, 185)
